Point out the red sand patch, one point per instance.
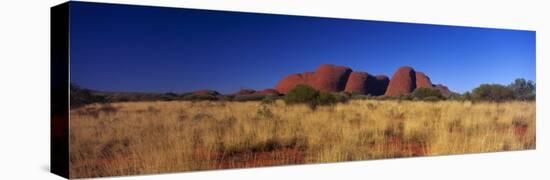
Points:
(520, 130)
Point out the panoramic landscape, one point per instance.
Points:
(172, 90)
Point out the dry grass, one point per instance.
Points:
(154, 137)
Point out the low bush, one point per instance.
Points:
(269, 99)
(81, 96)
(523, 90)
(362, 96)
(342, 97)
(427, 94)
(326, 98)
(302, 94)
(492, 92)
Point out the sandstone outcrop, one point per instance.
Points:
(423, 81)
(205, 92)
(402, 82)
(289, 82)
(443, 89)
(330, 78)
(268, 92)
(357, 83)
(243, 92)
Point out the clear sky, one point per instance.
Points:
(152, 49)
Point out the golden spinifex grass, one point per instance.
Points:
(153, 137)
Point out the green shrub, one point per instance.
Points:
(226, 97)
(467, 96)
(342, 97)
(181, 96)
(492, 92)
(523, 89)
(402, 97)
(82, 96)
(362, 96)
(382, 97)
(455, 97)
(428, 94)
(302, 94)
(326, 98)
(170, 96)
(269, 99)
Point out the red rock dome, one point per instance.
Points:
(422, 80)
(402, 82)
(358, 82)
(308, 77)
(289, 82)
(330, 78)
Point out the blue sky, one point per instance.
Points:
(152, 49)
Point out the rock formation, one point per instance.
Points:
(443, 89)
(361, 83)
(330, 78)
(381, 85)
(422, 80)
(402, 82)
(308, 77)
(205, 92)
(244, 92)
(357, 82)
(268, 92)
(289, 82)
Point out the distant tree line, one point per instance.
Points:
(80, 96)
(520, 89)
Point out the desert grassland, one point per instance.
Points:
(152, 137)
